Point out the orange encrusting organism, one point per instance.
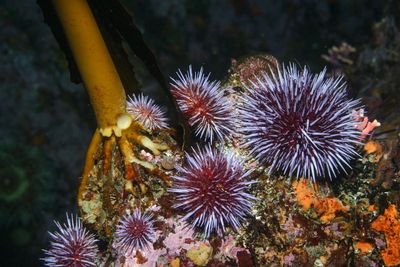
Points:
(371, 208)
(326, 207)
(372, 147)
(389, 224)
(364, 247)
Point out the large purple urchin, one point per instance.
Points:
(134, 231)
(71, 246)
(146, 112)
(211, 190)
(202, 102)
(300, 123)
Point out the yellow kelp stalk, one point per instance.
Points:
(118, 136)
(94, 62)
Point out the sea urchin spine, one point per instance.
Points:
(71, 246)
(300, 123)
(146, 112)
(211, 190)
(203, 104)
(134, 231)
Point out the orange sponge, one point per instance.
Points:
(364, 247)
(389, 224)
(326, 207)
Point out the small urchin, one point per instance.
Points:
(300, 123)
(211, 190)
(143, 109)
(71, 246)
(134, 231)
(203, 104)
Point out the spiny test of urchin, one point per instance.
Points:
(203, 104)
(211, 190)
(143, 109)
(71, 246)
(300, 123)
(134, 231)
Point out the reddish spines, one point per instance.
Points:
(146, 112)
(300, 123)
(134, 231)
(211, 190)
(71, 246)
(204, 105)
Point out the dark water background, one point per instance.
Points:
(46, 121)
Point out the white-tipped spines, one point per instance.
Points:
(204, 105)
(134, 232)
(71, 245)
(300, 123)
(211, 190)
(144, 110)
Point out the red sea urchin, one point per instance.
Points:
(71, 246)
(146, 112)
(203, 104)
(210, 189)
(300, 123)
(134, 231)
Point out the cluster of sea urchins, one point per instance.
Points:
(299, 123)
(73, 246)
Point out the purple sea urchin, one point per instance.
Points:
(134, 231)
(211, 189)
(203, 104)
(146, 112)
(300, 123)
(71, 246)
